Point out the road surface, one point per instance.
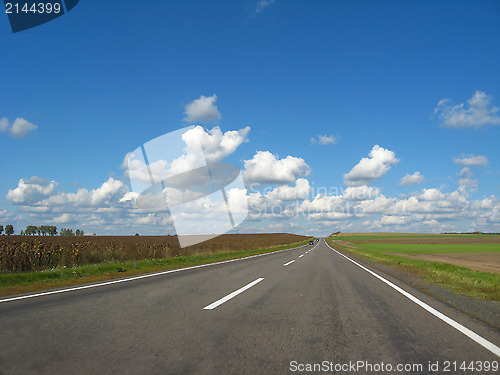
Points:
(280, 313)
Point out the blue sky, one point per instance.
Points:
(95, 84)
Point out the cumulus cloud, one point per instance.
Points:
(20, 128)
(262, 4)
(324, 140)
(300, 191)
(472, 160)
(63, 219)
(359, 193)
(466, 183)
(202, 109)
(368, 169)
(478, 113)
(411, 179)
(266, 168)
(195, 148)
(31, 191)
(216, 145)
(42, 193)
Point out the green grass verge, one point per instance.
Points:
(12, 283)
(417, 248)
(458, 279)
(403, 236)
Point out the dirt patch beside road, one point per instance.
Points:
(485, 262)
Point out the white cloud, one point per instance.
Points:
(392, 220)
(429, 201)
(129, 196)
(411, 179)
(108, 208)
(21, 128)
(200, 147)
(106, 193)
(42, 193)
(216, 145)
(324, 139)
(360, 193)
(262, 4)
(266, 168)
(31, 191)
(300, 191)
(373, 167)
(63, 219)
(472, 160)
(202, 110)
(466, 182)
(479, 112)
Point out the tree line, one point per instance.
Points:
(9, 229)
(42, 230)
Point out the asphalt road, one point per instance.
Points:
(319, 309)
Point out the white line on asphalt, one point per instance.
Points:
(232, 295)
(301, 255)
(467, 332)
(290, 262)
(58, 291)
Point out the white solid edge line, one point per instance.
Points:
(290, 262)
(232, 295)
(467, 332)
(58, 291)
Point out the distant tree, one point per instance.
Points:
(30, 230)
(9, 229)
(53, 230)
(137, 234)
(77, 233)
(1, 229)
(66, 232)
(22, 232)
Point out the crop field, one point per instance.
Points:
(466, 263)
(37, 253)
(434, 248)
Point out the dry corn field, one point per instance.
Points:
(26, 253)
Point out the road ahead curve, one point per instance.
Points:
(272, 314)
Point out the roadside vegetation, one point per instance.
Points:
(390, 250)
(30, 264)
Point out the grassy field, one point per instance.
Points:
(438, 248)
(359, 237)
(36, 263)
(389, 249)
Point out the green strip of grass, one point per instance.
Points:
(392, 236)
(417, 248)
(458, 279)
(13, 283)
